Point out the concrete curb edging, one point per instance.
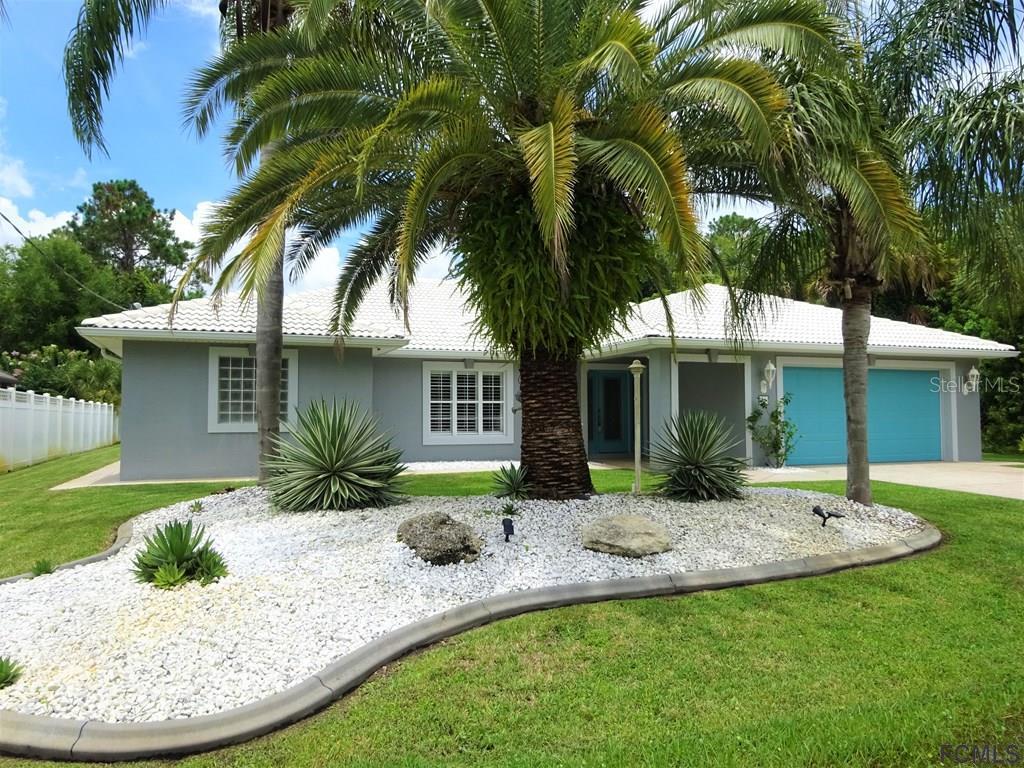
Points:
(124, 535)
(89, 740)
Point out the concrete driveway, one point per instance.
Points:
(990, 477)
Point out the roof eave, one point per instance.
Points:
(630, 346)
(111, 339)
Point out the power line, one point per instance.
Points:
(71, 277)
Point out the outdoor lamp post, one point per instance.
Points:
(637, 369)
(973, 379)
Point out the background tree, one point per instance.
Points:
(49, 287)
(66, 372)
(512, 133)
(847, 207)
(120, 226)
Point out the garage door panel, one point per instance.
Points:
(818, 411)
(903, 415)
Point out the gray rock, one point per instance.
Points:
(440, 539)
(626, 535)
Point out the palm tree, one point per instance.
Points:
(849, 196)
(544, 141)
(104, 30)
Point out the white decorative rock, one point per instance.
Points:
(306, 588)
(626, 535)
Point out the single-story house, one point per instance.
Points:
(188, 391)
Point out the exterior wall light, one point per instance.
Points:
(637, 369)
(973, 380)
(768, 378)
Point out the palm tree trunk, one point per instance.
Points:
(552, 448)
(856, 327)
(269, 345)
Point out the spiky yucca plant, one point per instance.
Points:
(510, 482)
(335, 459)
(10, 671)
(176, 553)
(693, 459)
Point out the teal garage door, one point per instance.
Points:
(904, 422)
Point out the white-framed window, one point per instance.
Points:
(232, 390)
(467, 405)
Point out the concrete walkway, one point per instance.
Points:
(989, 477)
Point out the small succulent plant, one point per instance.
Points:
(176, 553)
(10, 671)
(510, 483)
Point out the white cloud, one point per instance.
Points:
(79, 179)
(321, 273)
(35, 223)
(13, 178)
(437, 264)
(189, 228)
(204, 8)
(137, 47)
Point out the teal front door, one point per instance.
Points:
(610, 401)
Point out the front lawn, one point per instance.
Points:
(1017, 459)
(877, 666)
(37, 523)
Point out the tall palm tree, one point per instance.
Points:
(849, 195)
(98, 43)
(545, 141)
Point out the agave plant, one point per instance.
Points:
(176, 553)
(9, 671)
(510, 482)
(335, 459)
(693, 459)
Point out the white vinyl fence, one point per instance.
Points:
(35, 428)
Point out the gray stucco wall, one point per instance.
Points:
(719, 388)
(398, 403)
(968, 417)
(164, 410)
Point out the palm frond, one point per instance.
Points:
(102, 35)
(745, 91)
(549, 153)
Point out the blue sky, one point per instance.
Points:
(44, 174)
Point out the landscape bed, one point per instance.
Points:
(305, 589)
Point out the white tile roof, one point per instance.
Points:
(786, 323)
(439, 321)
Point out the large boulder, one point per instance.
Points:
(626, 535)
(440, 539)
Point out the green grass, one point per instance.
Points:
(870, 667)
(1017, 459)
(86, 519)
(478, 483)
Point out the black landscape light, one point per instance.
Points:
(506, 526)
(825, 515)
